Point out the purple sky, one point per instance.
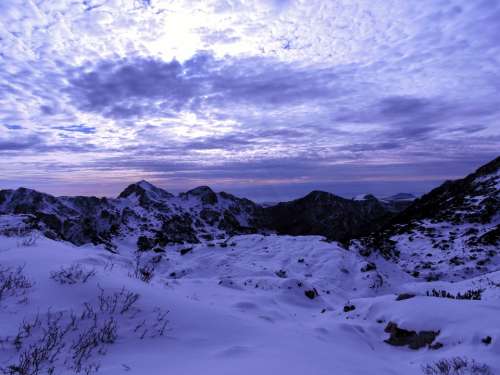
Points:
(268, 99)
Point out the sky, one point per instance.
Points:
(268, 99)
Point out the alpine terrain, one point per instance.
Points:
(205, 282)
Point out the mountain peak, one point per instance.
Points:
(200, 190)
(143, 188)
(146, 185)
(488, 168)
(318, 195)
(205, 193)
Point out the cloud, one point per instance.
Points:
(81, 128)
(138, 87)
(114, 88)
(19, 144)
(247, 92)
(14, 127)
(211, 37)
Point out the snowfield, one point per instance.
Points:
(252, 304)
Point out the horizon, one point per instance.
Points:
(260, 197)
(264, 99)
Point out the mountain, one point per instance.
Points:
(420, 294)
(400, 197)
(453, 232)
(326, 214)
(399, 202)
(159, 217)
(394, 203)
(142, 209)
(457, 222)
(76, 219)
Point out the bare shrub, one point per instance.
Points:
(72, 343)
(39, 343)
(472, 294)
(13, 282)
(143, 270)
(108, 266)
(26, 236)
(122, 302)
(72, 275)
(456, 366)
(90, 342)
(157, 328)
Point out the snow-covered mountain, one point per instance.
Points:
(398, 202)
(141, 209)
(452, 233)
(400, 197)
(459, 215)
(419, 296)
(197, 215)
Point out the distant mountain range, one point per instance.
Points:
(158, 218)
(200, 214)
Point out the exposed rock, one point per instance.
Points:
(321, 213)
(348, 308)
(204, 193)
(369, 267)
(185, 250)
(448, 201)
(487, 340)
(412, 339)
(403, 296)
(311, 294)
(491, 237)
(143, 209)
(451, 233)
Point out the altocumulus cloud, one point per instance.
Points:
(137, 87)
(246, 94)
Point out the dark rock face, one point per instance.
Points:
(412, 339)
(200, 213)
(451, 233)
(491, 237)
(204, 193)
(177, 229)
(148, 195)
(79, 220)
(143, 209)
(454, 200)
(145, 243)
(321, 213)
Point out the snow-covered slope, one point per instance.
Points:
(252, 305)
(197, 215)
(141, 209)
(451, 233)
(189, 289)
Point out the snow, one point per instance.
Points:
(232, 311)
(360, 197)
(438, 243)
